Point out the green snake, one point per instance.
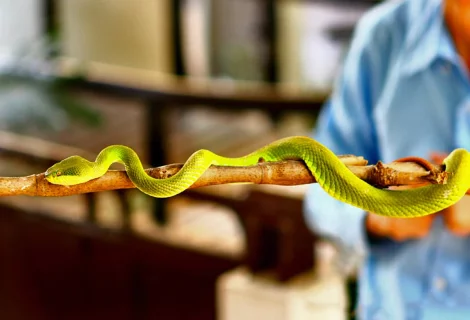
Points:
(330, 173)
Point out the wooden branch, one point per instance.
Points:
(278, 173)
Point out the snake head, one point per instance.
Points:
(70, 171)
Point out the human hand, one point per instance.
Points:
(401, 229)
(398, 229)
(456, 219)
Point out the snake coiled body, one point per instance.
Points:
(331, 174)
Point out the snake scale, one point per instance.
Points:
(331, 174)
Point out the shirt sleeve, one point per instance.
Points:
(345, 125)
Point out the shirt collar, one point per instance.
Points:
(428, 39)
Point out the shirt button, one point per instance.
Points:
(439, 284)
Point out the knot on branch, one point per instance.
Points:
(438, 175)
(398, 173)
(382, 176)
(165, 172)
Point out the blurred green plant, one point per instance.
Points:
(33, 97)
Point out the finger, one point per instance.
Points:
(399, 229)
(377, 224)
(460, 232)
(413, 228)
(457, 220)
(457, 227)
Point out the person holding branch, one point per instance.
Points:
(403, 91)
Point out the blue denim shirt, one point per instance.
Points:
(402, 91)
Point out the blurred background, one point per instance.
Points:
(166, 77)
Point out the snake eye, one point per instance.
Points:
(58, 173)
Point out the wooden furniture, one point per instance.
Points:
(57, 269)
